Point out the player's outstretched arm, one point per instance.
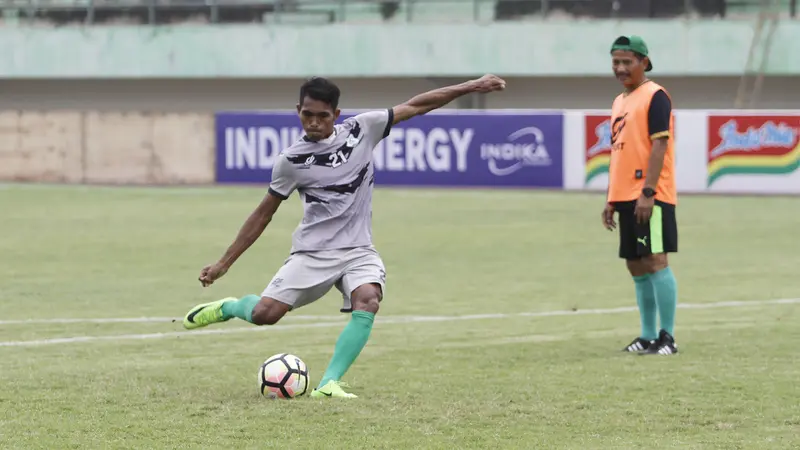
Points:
(252, 229)
(428, 101)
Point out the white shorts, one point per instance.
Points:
(305, 277)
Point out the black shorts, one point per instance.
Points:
(660, 235)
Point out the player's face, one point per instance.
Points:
(628, 69)
(317, 118)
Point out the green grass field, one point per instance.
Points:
(431, 376)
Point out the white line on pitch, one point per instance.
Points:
(406, 318)
(135, 320)
(385, 320)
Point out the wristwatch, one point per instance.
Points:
(648, 192)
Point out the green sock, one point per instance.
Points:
(666, 297)
(353, 338)
(646, 299)
(242, 308)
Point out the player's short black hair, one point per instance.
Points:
(321, 89)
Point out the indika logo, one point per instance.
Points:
(764, 145)
(525, 147)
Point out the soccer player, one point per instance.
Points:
(642, 191)
(331, 169)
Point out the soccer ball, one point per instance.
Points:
(283, 376)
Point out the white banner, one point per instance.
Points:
(727, 151)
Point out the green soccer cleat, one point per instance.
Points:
(332, 389)
(205, 314)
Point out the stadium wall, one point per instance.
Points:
(106, 147)
(540, 48)
(209, 95)
(723, 151)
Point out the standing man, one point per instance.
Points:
(642, 191)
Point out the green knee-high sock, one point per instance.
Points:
(666, 288)
(353, 338)
(646, 299)
(242, 308)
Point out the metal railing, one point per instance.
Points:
(155, 12)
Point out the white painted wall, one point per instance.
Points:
(222, 94)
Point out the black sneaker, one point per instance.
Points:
(639, 345)
(664, 346)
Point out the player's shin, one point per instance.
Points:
(666, 290)
(349, 345)
(242, 308)
(646, 299)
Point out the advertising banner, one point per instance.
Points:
(753, 153)
(716, 151)
(438, 149)
(596, 151)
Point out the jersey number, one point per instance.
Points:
(337, 159)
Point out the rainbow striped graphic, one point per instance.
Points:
(752, 145)
(598, 146)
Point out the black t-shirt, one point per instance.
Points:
(659, 114)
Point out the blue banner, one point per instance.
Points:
(438, 149)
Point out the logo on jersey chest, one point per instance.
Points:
(333, 159)
(616, 130)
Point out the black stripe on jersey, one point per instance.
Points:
(327, 159)
(310, 198)
(356, 130)
(350, 187)
(389, 123)
(306, 159)
(277, 194)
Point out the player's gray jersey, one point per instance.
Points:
(334, 178)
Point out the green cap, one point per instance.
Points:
(634, 44)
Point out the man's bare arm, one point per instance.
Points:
(252, 229)
(428, 101)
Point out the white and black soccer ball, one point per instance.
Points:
(283, 376)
